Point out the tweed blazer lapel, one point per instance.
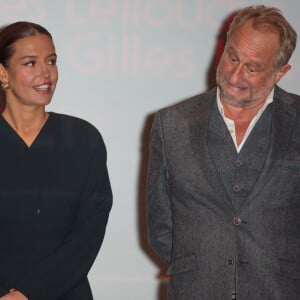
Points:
(283, 125)
(284, 121)
(199, 126)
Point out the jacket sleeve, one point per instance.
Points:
(71, 262)
(159, 210)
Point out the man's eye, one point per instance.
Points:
(251, 70)
(232, 58)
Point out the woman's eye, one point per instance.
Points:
(52, 62)
(29, 64)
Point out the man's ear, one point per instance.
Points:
(3, 74)
(282, 71)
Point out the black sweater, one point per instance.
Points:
(55, 199)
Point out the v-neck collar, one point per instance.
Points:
(17, 138)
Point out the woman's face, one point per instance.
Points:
(31, 71)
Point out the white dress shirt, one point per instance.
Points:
(230, 123)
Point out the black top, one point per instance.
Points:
(55, 198)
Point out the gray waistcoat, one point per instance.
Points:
(239, 171)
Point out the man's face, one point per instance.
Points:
(246, 73)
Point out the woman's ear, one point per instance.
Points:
(3, 74)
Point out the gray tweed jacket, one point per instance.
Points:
(191, 221)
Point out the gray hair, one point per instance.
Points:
(269, 18)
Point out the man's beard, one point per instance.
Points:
(242, 102)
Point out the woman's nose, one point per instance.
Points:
(44, 70)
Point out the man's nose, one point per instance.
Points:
(237, 74)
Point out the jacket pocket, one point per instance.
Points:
(183, 264)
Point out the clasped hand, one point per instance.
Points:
(14, 295)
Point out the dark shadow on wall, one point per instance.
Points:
(162, 278)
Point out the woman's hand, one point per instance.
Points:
(14, 295)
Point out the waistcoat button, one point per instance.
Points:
(236, 188)
(238, 163)
(237, 221)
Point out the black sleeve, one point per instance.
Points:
(3, 291)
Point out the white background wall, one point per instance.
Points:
(120, 61)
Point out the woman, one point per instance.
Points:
(55, 194)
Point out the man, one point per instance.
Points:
(224, 173)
